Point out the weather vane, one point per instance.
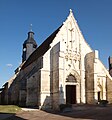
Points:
(31, 27)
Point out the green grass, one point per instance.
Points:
(9, 109)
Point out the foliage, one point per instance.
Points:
(103, 102)
(9, 108)
(63, 106)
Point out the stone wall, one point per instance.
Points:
(89, 67)
(97, 79)
(32, 91)
(33, 83)
(109, 90)
(55, 75)
(13, 91)
(4, 94)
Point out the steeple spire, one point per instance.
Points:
(29, 45)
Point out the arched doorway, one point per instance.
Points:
(71, 90)
(100, 92)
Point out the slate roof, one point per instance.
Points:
(1, 89)
(41, 50)
(30, 39)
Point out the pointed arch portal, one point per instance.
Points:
(72, 87)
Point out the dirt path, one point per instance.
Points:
(79, 113)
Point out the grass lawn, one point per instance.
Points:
(9, 109)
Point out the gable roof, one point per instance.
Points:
(41, 49)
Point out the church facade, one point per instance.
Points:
(62, 70)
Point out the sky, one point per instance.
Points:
(94, 18)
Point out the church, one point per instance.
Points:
(62, 70)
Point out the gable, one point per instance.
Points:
(71, 36)
(68, 33)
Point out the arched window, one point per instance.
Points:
(71, 78)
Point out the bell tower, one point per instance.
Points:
(110, 65)
(29, 46)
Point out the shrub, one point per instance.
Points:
(64, 106)
(103, 102)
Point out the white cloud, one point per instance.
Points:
(9, 65)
